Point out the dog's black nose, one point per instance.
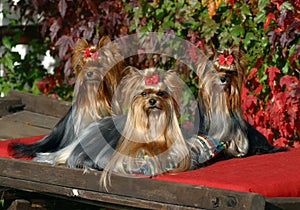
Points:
(152, 101)
(89, 74)
(223, 79)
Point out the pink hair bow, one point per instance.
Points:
(225, 59)
(87, 53)
(152, 80)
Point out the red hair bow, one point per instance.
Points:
(225, 59)
(87, 53)
(152, 80)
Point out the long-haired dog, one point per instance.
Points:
(151, 142)
(98, 71)
(221, 116)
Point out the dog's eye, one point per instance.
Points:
(144, 94)
(160, 93)
(89, 73)
(223, 79)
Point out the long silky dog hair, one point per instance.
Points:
(151, 142)
(221, 115)
(98, 71)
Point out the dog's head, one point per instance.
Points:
(151, 79)
(220, 79)
(152, 112)
(151, 99)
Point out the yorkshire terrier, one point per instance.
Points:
(98, 71)
(151, 142)
(147, 140)
(221, 116)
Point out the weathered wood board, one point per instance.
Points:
(135, 192)
(24, 114)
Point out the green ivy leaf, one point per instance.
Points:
(260, 16)
(286, 67)
(8, 62)
(159, 13)
(209, 28)
(225, 38)
(262, 4)
(263, 78)
(6, 42)
(286, 5)
(2, 202)
(168, 24)
(237, 30)
(248, 38)
(245, 9)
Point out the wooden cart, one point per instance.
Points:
(33, 185)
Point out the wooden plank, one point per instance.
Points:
(42, 200)
(137, 188)
(6, 104)
(11, 130)
(42, 104)
(85, 196)
(22, 204)
(33, 119)
(289, 203)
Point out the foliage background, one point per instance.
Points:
(268, 31)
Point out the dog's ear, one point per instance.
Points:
(238, 55)
(103, 41)
(174, 84)
(209, 50)
(77, 55)
(128, 86)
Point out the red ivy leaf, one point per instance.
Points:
(252, 73)
(268, 133)
(231, 2)
(288, 80)
(250, 101)
(258, 89)
(67, 68)
(258, 62)
(260, 118)
(281, 142)
(295, 55)
(297, 125)
(270, 17)
(193, 36)
(296, 144)
(62, 7)
(92, 7)
(244, 92)
(55, 27)
(64, 43)
(272, 75)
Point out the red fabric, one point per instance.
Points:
(4, 144)
(272, 175)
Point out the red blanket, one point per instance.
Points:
(272, 175)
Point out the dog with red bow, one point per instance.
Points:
(221, 115)
(98, 70)
(151, 142)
